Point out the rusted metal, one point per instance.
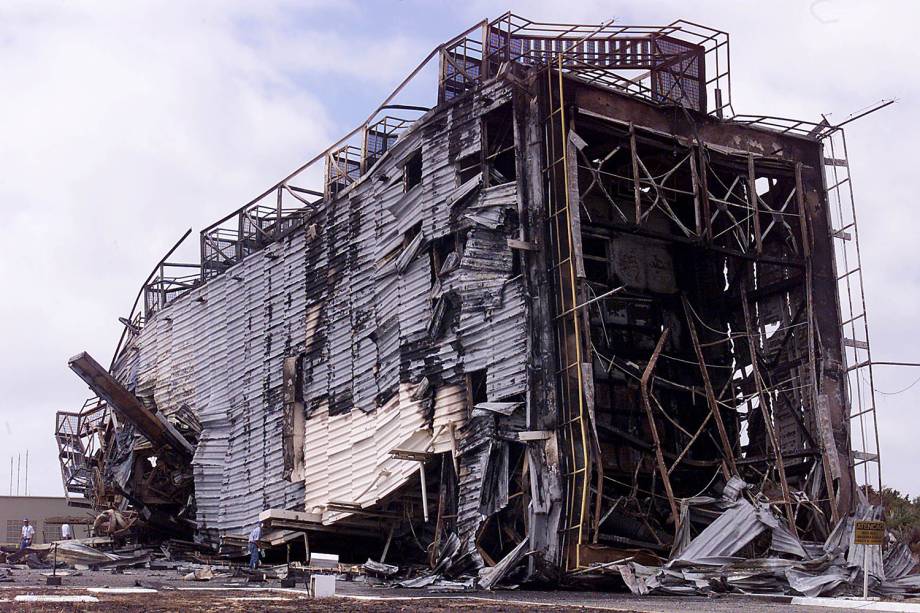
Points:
(656, 439)
(764, 407)
(487, 278)
(714, 409)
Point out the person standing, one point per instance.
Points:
(254, 537)
(28, 533)
(66, 532)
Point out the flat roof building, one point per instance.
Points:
(45, 513)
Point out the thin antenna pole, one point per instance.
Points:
(27, 472)
(18, 470)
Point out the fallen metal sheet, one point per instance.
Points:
(502, 408)
(724, 537)
(866, 556)
(490, 576)
(709, 562)
(899, 587)
(784, 541)
(379, 569)
(809, 584)
(899, 561)
(76, 553)
(418, 582)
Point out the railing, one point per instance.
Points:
(784, 125)
(171, 280)
(78, 446)
(381, 135)
(251, 228)
(813, 129)
(664, 64)
(343, 167)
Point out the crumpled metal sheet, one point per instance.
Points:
(899, 561)
(899, 587)
(784, 541)
(489, 576)
(816, 584)
(502, 408)
(871, 556)
(732, 530)
(494, 496)
(709, 562)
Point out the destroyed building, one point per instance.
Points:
(540, 317)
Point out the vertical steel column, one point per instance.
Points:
(568, 325)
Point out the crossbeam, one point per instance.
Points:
(153, 426)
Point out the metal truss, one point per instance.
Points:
(866, 460)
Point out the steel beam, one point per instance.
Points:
(150, 424)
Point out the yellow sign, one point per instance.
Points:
(869, 532)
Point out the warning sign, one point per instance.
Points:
(869, 532)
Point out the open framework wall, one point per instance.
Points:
(704, 336)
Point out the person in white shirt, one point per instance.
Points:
(66, 532)
(28, 533)
(254, 537)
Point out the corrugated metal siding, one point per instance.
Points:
(331, 291)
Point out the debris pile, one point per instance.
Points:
(546, 330)
(749, 548)
(746, 548)
(103, 554)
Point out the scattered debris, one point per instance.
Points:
(577, 321)
(201, 574)
(376, 569)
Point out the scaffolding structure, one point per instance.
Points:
(866, 460)
(80, 439)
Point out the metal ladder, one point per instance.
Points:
(570, 332)
(864, 441)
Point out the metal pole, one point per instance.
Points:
(895, 364)
(386, 546)
(421, 471)
(865, 571)
(27, 473)
(18, 470)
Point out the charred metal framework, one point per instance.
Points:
(544, 316)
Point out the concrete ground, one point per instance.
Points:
(165, 591)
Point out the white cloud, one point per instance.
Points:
(801, 58)
(122, 124)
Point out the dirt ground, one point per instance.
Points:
(201, 602)
(167, 592)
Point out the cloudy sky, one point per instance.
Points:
(122, 124)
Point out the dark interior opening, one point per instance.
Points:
(469, 166)
(498, 144)
(413, 174)
(478, 390)
(411, 233)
